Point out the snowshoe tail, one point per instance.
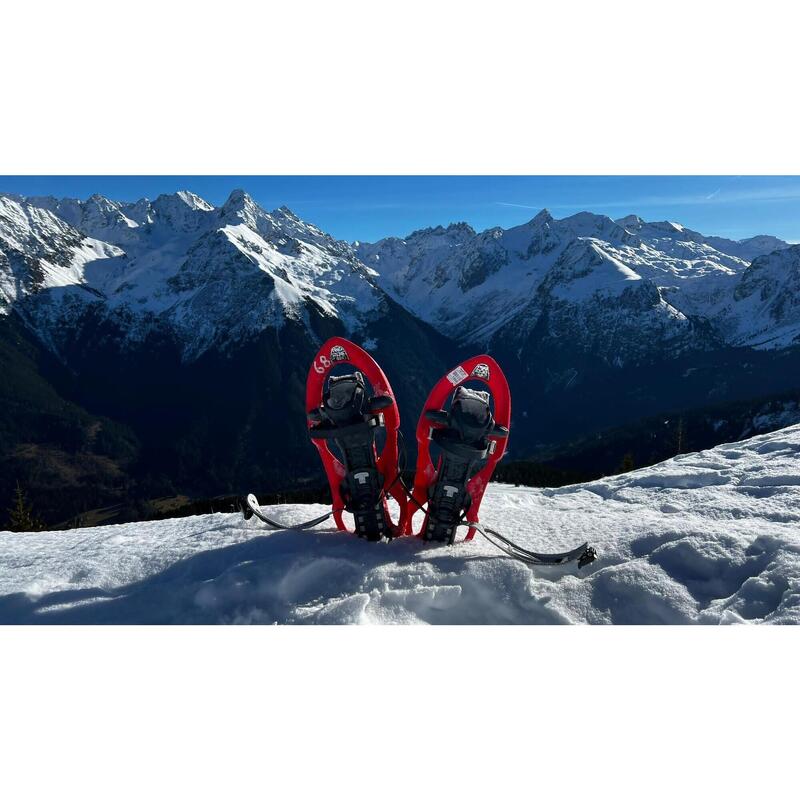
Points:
(582, 554)
(250, 507)
(344, 414)
(471, 440)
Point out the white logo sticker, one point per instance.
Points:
(338, 353)
(457, 375)
(481, 371)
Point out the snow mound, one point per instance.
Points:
(711, 537)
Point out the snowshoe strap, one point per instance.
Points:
(362, 430)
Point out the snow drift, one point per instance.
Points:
(710, 537)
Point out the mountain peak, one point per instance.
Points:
(461, 227)
(182, 211)
(582, 217)
(183, 200)
(457, 230)
(587, 223)
(238, 200)
(243, 208)
(631, 221)
(666, 226)
(193, 200)
(542, 218)
(285, 211)
(101, 201)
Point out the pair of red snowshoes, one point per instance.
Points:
(354, 422)
(343, 422)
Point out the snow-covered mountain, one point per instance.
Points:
(213, 277)
(622, 289)
(709, 537)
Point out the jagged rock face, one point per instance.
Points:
(182, 212)
(589, 303)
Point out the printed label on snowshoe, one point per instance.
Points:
(457, 375)
(324, 363)
(338, 353)
(481, 371)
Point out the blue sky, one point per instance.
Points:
(370, 207)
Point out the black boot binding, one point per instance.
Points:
(350, 419)
(463, 441)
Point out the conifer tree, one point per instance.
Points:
(21, 514)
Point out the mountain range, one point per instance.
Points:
(159, 348)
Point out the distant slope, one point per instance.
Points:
(643, 442)
(66, 459)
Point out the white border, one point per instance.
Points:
(399, 712)
(466, 87)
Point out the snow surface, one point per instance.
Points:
(711, 537)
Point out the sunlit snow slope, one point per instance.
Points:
(711, 537)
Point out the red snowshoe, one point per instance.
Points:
(345, 412)
(471, 439)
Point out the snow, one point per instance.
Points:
(711, 537)
(609, 276)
